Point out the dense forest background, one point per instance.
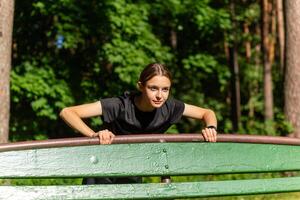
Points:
(224, 55)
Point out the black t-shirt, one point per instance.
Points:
(121, 116)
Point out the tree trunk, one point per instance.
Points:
(292, 74)
(280, 28)
(6, 25)
(173, 39)
(247, 42)
(254, 87)
(235, 80)
(226, 47)
(267, 64)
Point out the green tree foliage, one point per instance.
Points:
(69, 52)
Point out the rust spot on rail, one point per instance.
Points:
(148, 138)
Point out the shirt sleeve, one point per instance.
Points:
(177, 110)
(111, 108)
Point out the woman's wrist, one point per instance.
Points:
(212, 127)
(95, 135)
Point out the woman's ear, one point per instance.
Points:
(139, 86)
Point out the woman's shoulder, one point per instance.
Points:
(175, 109)
(122, 101)
(173, 102)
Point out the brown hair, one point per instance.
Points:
(152, 70)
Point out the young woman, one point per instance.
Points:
(147, 111)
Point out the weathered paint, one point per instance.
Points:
(152, 191)
(149, 159)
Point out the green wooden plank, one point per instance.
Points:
(149, 159)
(152, 190)
(218, 158)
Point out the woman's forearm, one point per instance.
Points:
(75, 122)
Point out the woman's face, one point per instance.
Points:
(156, 91)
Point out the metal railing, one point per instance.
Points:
(148, 138)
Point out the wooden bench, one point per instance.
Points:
(162, 155)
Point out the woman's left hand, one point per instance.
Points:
(209, 134)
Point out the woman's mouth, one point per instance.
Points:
(157, 102)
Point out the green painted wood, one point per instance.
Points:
(152, 190)
(149, 159)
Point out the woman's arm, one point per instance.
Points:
(73, 117)
(208, 116)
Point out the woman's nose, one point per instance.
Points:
(158, 94)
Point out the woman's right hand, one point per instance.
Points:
(105, 136)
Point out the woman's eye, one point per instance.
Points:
(157, 88)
